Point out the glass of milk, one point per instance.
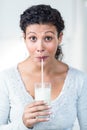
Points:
(43, 92)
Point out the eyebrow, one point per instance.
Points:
(31, 32)
(50, 32)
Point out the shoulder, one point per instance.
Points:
(7, 79)
(79, 79)
(7, 74)
(8, 71)
(78, 74)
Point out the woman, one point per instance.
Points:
(42, 28)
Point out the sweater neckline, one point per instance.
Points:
(64, 88)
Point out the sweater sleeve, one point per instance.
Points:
(5, 123)
(82, 106)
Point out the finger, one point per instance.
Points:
(41, 113)
(36, 120)
(37, 103)
(37, 114)
(39, 108)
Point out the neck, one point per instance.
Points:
(36, 69)
(47, 68)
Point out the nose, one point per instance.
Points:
(40, 47)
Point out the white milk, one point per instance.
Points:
(43, 93)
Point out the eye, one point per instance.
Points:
(48, 38)
(33, 38)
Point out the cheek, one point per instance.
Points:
(30, 48)
(52, 48)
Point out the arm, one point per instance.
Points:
(5, 110)
(82, 106)
(28, 119)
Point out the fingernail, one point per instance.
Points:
(49, 106)
(47, 119)
(45, 102)
(50, 112)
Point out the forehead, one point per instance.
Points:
(41, 28)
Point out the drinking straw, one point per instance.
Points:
(42, 72)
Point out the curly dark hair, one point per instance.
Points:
(43, 14)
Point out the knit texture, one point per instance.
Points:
(71, 102)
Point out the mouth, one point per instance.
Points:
(42, 57)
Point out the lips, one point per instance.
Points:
(42, 57)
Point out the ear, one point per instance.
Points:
(24, 36)
(60, 37)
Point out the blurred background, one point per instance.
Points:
(12, 47)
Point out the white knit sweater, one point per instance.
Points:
(71, 103)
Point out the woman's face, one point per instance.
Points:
(41, 42)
